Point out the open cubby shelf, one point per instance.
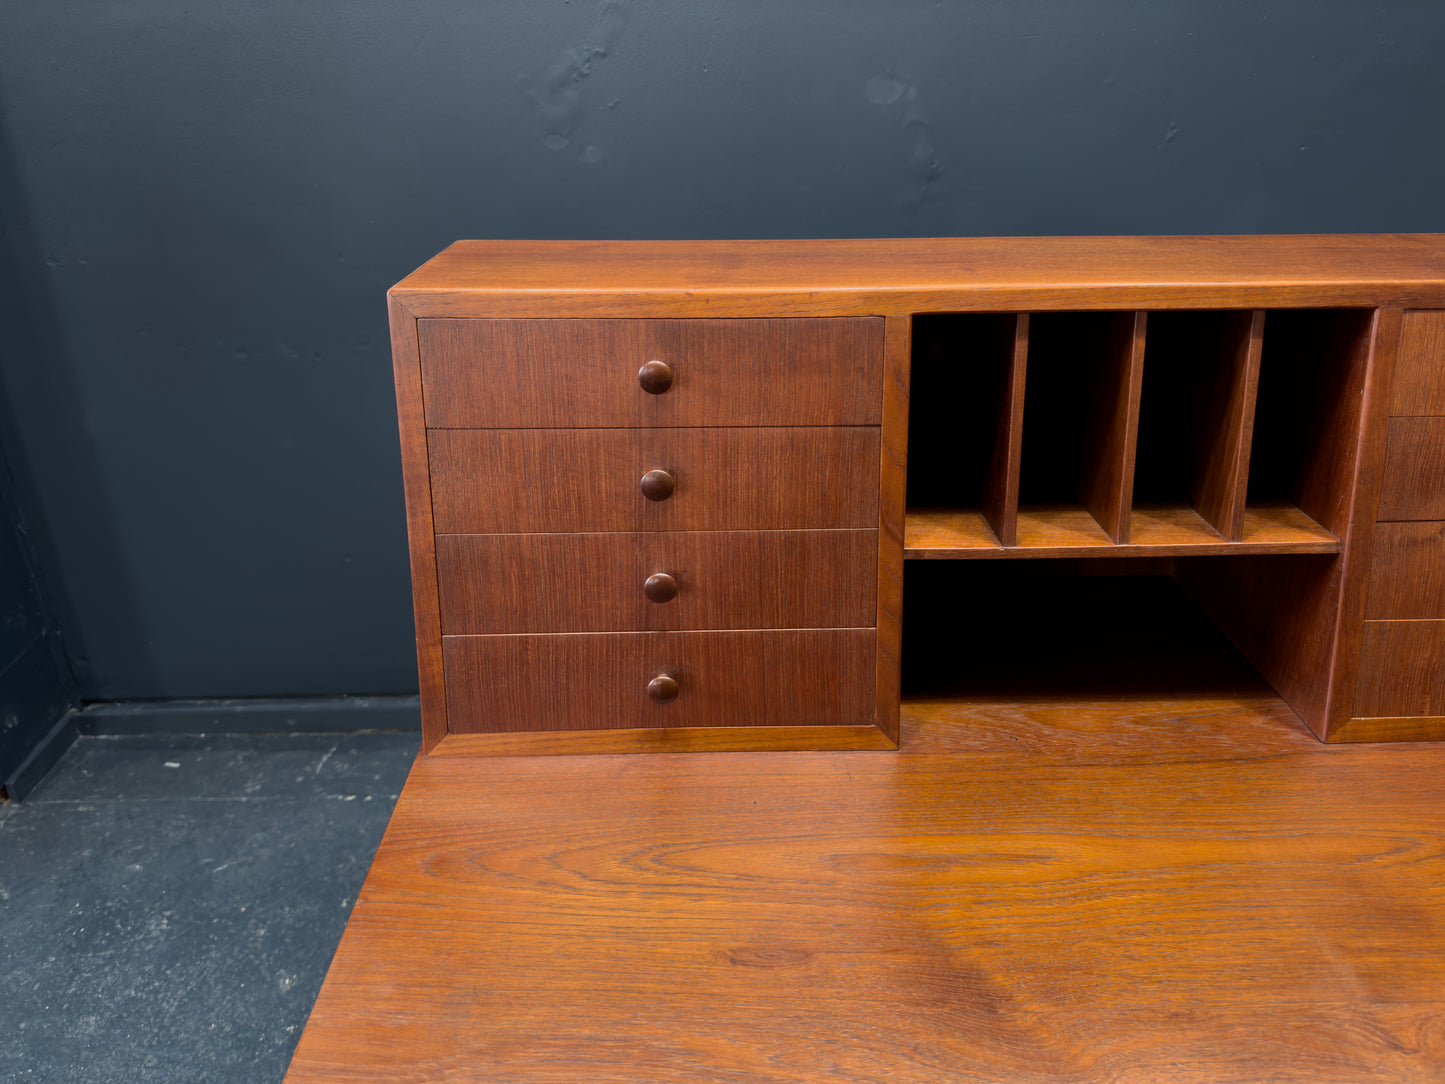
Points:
(1131, 434)
(1056, 629)
(1156, 530)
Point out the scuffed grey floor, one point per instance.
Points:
(169, 905)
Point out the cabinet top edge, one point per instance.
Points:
(1395, 264)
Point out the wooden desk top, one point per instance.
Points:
(1054, 890)
(926, 273)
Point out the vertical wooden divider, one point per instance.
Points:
(1222, 424)
(898, 347)
(1001, 489)
(1357, 528)
(1112, 427)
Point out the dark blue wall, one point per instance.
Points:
(205, 203)
(37, 693)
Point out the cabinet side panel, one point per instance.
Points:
(416, 480)
(892, 481)
(1399, 683)
(1363, 497)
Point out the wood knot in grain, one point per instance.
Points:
(765, 956)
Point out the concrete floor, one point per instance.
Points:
(169, 904)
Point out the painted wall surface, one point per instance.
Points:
(36, 689)
(204, 204)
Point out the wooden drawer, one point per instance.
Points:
(545, 481)
(557, 373)
(518, 583)
(583, 681)
(1407, 573)
(1419, 385)
(1402, 669)
(1413, 486)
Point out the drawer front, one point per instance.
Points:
(521, 583)
(792, 677)
(1407, 572)
(1402, 669)
(1419, 385)
(585, 373)
(545, 481)
(1413, 486)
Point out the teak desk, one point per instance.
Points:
(946, 533)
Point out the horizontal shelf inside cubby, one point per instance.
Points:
(1165, 530)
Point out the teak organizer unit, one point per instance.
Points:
(660, 495)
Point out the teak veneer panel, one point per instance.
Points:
(1183, 890)
(1310, 411)
(1419, 385)
(1081, 413)
(1001, 488)
(1407, 573)
(1320, 420)
(1409, 728)
(561, 373)
(1278, 528)
(1221, 426)
(545, 481)
(892, 502)
(1111, 426)
(416, 483)
(1196, 415)
(1414, 481)
(1402, 669)
(512, 583)
(967, 408)
(672, 739)
(1155, 531)
(872, 276)
(596, 681)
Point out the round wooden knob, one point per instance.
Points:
(663, 688)
(655, 377)
(660, 587)
(657, 485)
